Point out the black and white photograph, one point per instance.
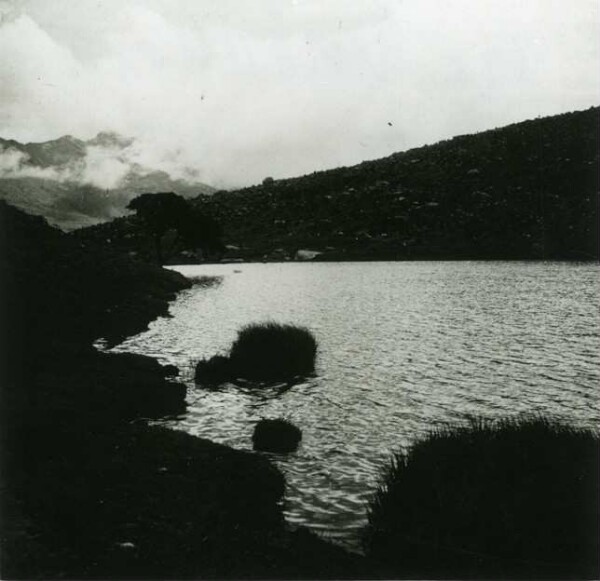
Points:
(299, 289)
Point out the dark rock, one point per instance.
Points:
(213, 371)
(170, 370)
(277, 435)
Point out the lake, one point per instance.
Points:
(403, 347)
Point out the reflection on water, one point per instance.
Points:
(402, 347)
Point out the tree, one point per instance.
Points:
(166, 216)
(198, 231)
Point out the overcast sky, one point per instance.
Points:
(243, 89)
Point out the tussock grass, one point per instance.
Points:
(272, 351)
(510, 498)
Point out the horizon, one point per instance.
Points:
(442, 140)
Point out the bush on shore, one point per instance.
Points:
(263, 352)
(276, 435)
(514, 498)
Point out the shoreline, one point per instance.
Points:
(89, 490)
(386, 259)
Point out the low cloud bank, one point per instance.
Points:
(105, 167)
(75, 183)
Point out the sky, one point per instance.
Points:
(239, 90)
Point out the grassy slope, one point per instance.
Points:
(528, 190)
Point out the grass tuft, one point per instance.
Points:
(510, 498)
(273, 351)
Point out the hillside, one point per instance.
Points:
(67, 205)
(50, 281)
(75, 183)
(525, 191)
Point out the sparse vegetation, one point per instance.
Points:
(276, 435)
(528, 190)
(516, 498)
(524, 191)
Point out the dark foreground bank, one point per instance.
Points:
(139, 502)
(89, 490)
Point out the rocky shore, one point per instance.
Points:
(89, 489)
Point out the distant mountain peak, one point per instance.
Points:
(65, 140)
(67, 180)
(110, 139)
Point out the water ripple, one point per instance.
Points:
(402, 347)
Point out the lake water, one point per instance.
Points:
(403, 347)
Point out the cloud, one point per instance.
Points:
(240, 90)
(102, 167)
(15, 164)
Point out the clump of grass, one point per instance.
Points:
(262, 352)
(510, 498)
(276, 435)
(273, 352)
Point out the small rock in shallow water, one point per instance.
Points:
(170, 370)
(277, 435)
(213, 371)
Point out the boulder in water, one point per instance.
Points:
(277, 435)
(213, 371)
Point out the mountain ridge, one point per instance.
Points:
(75, 183)
(527, 190)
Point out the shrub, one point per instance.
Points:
(277, 435)
(512, 498)
(272, 352)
